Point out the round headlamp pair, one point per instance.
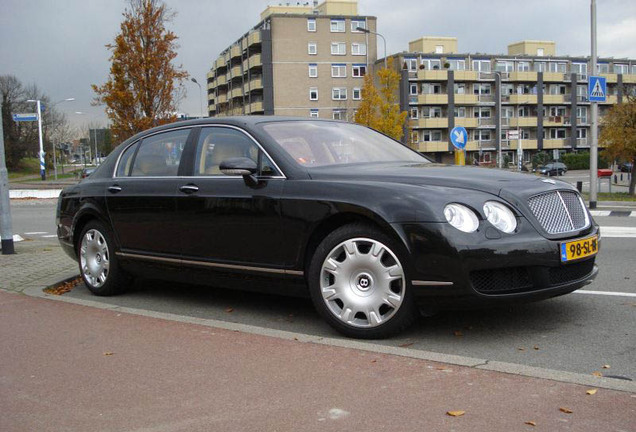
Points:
(464, 219)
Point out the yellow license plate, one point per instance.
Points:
(578, 249)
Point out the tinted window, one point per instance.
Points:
(159, 155)
(125, 161)
(217, 144)
(313, 144)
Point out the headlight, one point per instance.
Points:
(500, 216)
(461, 217)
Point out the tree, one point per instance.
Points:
(379, 109)
(618, 134)
(143, 87)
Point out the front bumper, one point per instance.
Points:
(488, 267)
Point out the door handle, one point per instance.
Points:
(114, 189)
(189, 189)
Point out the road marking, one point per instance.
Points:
(618, 232)
(49, 236)
(16, 238)
(607, 293)
(35, 233)
(600, 212)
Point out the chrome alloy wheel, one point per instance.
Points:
(362, 282)
(94, 258)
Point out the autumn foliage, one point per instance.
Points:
(618, 134)
(379, 108)
(143, 86)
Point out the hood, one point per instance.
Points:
(493, 181)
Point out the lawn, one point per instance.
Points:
(606, 196)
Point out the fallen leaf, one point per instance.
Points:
(536, 347)
(565, 410)
(108, 353)
(229, 310)
(531, 423)
(405, 345)
(373, 361)
(597, 374)
(455, 413)
(521, 349)
(458, 333)
(606, 366)
(591, 392)
(64, 287)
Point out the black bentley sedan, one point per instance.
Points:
(369, 229)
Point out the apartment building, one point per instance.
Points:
(301, 59)
(542, 95)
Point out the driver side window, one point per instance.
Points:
(217, 144)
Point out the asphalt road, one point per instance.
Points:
(580, 332)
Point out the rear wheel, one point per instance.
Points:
(359, 283)
(97, 261)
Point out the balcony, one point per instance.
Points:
(553, 77)
(432, 146)
(553, 99)
(483, 145)
(523, 76)
(432, 99)
(611, 100)
(611, 78)
(467, 122)
(432, 75)
(629, 79)
(487, 122)
(556, 121)
(529, 144)
(236, 92)
(465, 99)
(518, 99)
(256, 107)
(436, 123)
(466, 75)
(254, 84)
(252, 62)
(554, 143)
(222, 98)
(254, 38)
(221, 80)
(235, 51)
(220, 62)
(212, 84)
(514, 122)
(236, 71)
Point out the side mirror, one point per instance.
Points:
(238, 166)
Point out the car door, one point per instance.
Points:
(224, 219)
(141, 198)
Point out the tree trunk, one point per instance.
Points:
(632, 182)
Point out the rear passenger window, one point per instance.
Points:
(125, 161)
(159, 155)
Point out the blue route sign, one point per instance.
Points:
(25, 117)
(597, 89)
(459, 137)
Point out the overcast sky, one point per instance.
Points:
(59, 45)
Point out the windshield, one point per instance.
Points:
(319, 143)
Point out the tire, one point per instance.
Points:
(359, 283)
(97, 261)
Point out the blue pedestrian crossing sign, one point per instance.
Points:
(458, 137)
(597, 89)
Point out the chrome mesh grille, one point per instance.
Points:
(559, 212)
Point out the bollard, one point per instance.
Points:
(615, 179)
(579, 186)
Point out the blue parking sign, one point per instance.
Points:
(597, 89)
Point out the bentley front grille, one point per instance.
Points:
(559, 212)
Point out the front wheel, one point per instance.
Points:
(97, 261)
(359, 283)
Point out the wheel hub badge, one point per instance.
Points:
(364, 282)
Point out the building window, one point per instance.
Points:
(581, 114)
(311, 24)
(504, 66)
(459, 112)
(431, 112)
(357, 93)
(358, 48)
(338, 71)
(540, 66)
(337, 26)
(430, 64)
(540, 52)
(459, 88)
(557, 133)
(482, 135)
(481, 89)
(507, 112)
(439, 49)
(413, 89)
(602, 68)
(456, 64)
(414, 113)
(313, 70)
(415, 136)
(313, 113)
(579, 68)
(557, 67)
(358, 70)
(557, 111)
(621, 68)
(523, 67)
(312, 48)
(339, 114)
(339, 93)
(431, 135)
(358, 23)
(428, 88)
(481, 65)
(557, 89)
(313, 93)
(482, 112)
(338, 48)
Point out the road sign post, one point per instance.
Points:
(459, 137)
(597, 89)
(6, 230)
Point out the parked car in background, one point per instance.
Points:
(627, 167)
(554, 169)
(368, 228)
(86, 172)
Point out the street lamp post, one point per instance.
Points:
(594, 126)
(200, 94)
(365, 30)
(39, 112)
